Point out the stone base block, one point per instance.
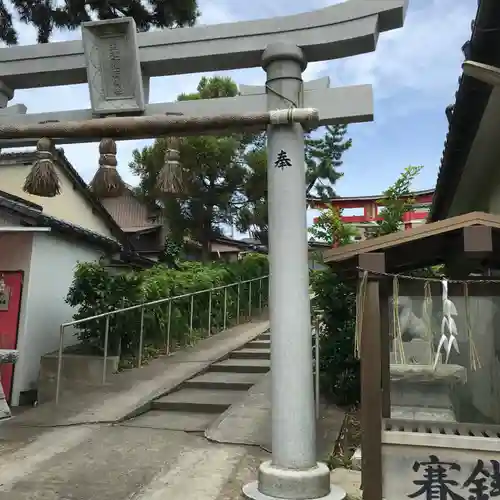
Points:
(407, 456)
(77, 370)
(420, 392)
(274, 483)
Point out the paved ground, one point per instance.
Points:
(129, 390)
(117, 463)
(249, 422)
(57, 453)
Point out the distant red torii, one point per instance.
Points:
(370, 207)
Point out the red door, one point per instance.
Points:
(10, 309)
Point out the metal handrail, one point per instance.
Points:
(316, 331)
(145, 305)
(316, 319)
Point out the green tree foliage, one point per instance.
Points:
(329, 228)
(96, 290)
(396, 201)
(335, 301)
(323, 158)
(211, 88)
(339, 368)
(252, 214)
(47, 15)
(216, 174)
(171, 253)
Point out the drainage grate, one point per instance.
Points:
(446, 428)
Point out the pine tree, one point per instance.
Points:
(323, 158)
(252, 214)
(216, 174)
(47, 15)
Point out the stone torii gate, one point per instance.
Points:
(117, 63)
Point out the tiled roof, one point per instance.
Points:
(471, 100)
(33, 215)
(129, 212)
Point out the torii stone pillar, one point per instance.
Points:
(293, 472)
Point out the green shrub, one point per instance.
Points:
(339, 368)
(96, 290)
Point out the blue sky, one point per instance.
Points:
(414, 73)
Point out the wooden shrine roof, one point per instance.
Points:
(427, 244)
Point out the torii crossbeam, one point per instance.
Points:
(122, 87)
(344, 105)
(341, 30)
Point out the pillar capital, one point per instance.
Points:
(283, 51)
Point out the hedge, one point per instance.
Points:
(96, 289)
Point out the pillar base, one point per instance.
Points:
(275, 483)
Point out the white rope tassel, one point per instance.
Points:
(399, 350)
(448, 327)
(475, 363)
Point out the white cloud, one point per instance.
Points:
(423, 58)
(215, 13)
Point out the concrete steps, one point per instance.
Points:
(224, 380)
(200, 400)
(173, 420)
(242, 366)
(248, 353)
(259, 344)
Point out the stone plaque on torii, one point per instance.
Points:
(283, 47)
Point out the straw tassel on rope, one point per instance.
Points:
(43, 179)
(170, 179)
(475, 363)
(398, 337)
(427, 317)
(107, 182)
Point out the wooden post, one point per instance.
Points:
(385, 339)
(478, 240)
(371, 380)
(476, 246)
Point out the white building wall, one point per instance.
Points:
(53, 261)
(70, 205)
